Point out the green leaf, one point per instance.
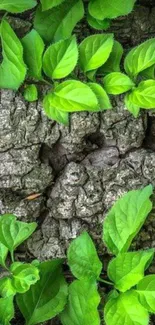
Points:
(146, 292)
(95, 50)
(113, 62)
(12, 68)
(125, 219)
(149, 73)
(3, 254)
(127, 269)
(140, 58)
(47, 297)
(6, 310)
(53, 112)
(144, 95)
(83, 259)
(82, 304)
(48, 4)
(61, 58)
(6, 287)
(23, 276)
(116, 83)
(31, 93)
(101, 9)
(98, 24)
(59, 22)
(132, 108)
(72, 96)
(33, 54)
(14, 232)
(125, 310)
(16, 6)
(103, 99)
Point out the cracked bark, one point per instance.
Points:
(81, 170)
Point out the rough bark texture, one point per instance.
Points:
(81, 170)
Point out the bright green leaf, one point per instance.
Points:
(31, 93)
(113, 62)
(14, 232)
(6, 287)
(33, 46)
(125, 310)
(12, 68)
(98, 24)
(140, 58)
(59, 22)
(72, 96)
(101, 9)
(132, 108)
(125, 219)
(103, 99)
(146, 292)
(144, 95)
(83, 259)
(6, 310)
(127, 269)
(82, 304)
(47, 297)
(23, 276)
(116, 83)
(95, 50)
(61, 58)
(48, 4)
(16, 6)
(53, 112)
(3, 254)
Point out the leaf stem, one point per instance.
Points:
(104, 281)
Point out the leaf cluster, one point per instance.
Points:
(49, 53)
(41, 289)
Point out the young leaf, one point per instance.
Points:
(116, 83)
(23, 276)
(101, 9)
(144, 95)
(47, 297)
(132, 108)
(140, 58)
(103, 99)
(6, 310)
(146, 292)
(113, 62)
(98, 24)
(3, 254)
(6, 287)
(12, 68)
(59, 22)
(14, 232)
(82, 304)
(53, 112)
(31, 93)
(17, 6)
(127, 269)
(95, 50)
(125, 309)
(48, 4)
(83, 259)
(72, 96)
(33, 54)
(61, 58)
(125, 219)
